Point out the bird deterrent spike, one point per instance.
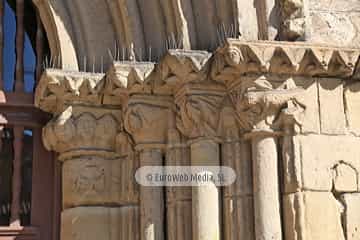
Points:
(110, 55)
(150, 54)
(102, 64)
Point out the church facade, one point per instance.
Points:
(267, 88)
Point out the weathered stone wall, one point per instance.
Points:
(334, 22)
(321, 168)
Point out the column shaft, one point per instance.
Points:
(266, 189)
(205, 198)
(151, 200)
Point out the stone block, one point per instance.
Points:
(345, 178)
(335, 28)
(326, 161)
(94, 223)
(311, 121)
(335, 6)
(351, 216)
(352, 107)
(97, 181)
(312, 215)
(332, 111)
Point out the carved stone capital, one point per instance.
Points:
(259, 104)
(84, 131)
(147, 118)
(199, 110)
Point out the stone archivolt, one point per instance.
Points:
(249, 91)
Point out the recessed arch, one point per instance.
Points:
(59, 31)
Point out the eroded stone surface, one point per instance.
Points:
(94, 223)
(332, 111)
(321, 155)
(333, 28)
(312, 215)
(238, 218)
(351, 215)
(94, 181)
(352, 103)
(334, 22)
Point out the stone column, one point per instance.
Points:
(99, 197)
(146, 119)
(198, 120)
(98, 200)
(266, 186)
(151, 200)
(178, 199)
(258, 106)
(205, 198)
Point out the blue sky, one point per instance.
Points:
(9, 56)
